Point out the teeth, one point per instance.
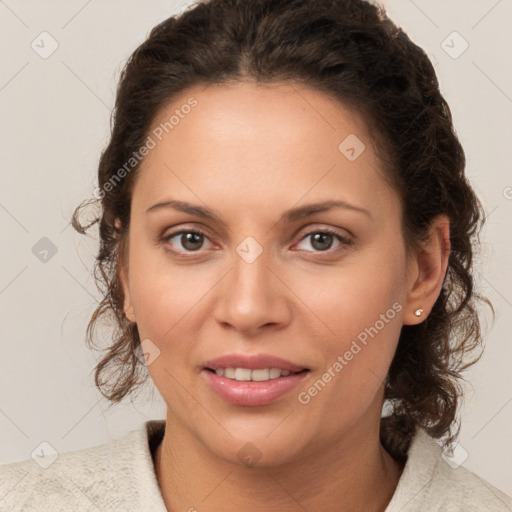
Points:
(274, 373)
(242, 374)
(258, 374)
(229, 372)
(255, 375)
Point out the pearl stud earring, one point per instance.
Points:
(418, 312)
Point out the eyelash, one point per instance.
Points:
(326, 231)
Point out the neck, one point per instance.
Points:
(350, 473)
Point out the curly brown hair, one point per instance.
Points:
(353, 51)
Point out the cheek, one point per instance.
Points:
(356, 361)
(160, 290)
(352, 296)
(167, 306)
(360, 307)
(361, 326)
(163, 301)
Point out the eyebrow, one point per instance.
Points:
(291, 215)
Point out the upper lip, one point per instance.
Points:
(253, 362)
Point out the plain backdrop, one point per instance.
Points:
(55, 116)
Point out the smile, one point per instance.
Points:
(253, 388)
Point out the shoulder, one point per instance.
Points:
(430, 483)
(109, 476)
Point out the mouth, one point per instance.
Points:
(253, 380)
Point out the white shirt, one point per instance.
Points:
(119, 475)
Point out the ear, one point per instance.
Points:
(123, 277)
(426, 271)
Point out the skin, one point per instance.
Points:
(250, 152)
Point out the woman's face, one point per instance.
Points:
(264, 278)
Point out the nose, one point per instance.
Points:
(252, 297)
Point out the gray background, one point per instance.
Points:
(55, 115)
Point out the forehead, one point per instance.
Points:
(246, 142)
(261, 117)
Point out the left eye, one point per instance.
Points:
(322, 240)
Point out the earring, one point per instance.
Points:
(418, 312)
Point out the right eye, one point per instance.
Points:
(191, 241)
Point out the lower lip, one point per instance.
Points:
(253, 393)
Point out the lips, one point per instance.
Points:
(232, 378)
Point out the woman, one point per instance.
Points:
(286, 240)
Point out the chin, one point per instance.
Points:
(258, 450)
